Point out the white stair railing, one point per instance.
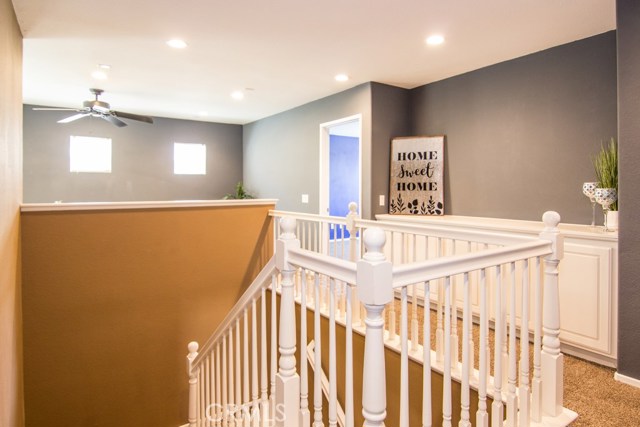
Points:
(495, 267)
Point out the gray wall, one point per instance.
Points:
(390, 117)
(282, 152)
(519, 134)
(628, 17)
(142, 160)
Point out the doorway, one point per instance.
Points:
(340, 165)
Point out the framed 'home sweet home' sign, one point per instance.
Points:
(416, 181)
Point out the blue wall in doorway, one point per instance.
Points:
(343, 183)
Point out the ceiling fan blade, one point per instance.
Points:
(137, 117)
(114, 120)
(73, 118)
(54, 109)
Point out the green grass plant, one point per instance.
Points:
(605, 164)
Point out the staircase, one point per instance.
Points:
(349, 277)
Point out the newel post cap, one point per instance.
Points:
(374, 272)
(551, 220)
(286, 241)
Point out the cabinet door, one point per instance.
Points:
(585, 297)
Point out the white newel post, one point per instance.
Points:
(552, 359)
(375, 291)
(287, 379)
(193, 384)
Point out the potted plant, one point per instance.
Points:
(240, 193)
(605, 164)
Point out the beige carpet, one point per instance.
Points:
(589, 389)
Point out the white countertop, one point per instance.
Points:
(508, 225)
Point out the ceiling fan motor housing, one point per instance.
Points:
(100, 106)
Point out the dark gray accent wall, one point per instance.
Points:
(282, 152)
(628, 23)
(390, 118)
(142, 160)
(519, 134)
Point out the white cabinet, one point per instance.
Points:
(588, 281)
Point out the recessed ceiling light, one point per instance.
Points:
(238, 94)
(341, 77)
(435, 39)
(203, 113)
(104, 66)
(177, 43)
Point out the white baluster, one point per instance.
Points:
(512, 402)
(392, 335)
(218, 401)
(305, 417)
(482, 417)
(333, 390)
(225, 384)
(497, 409)
(454, 317)
(246, 392)
(352, 216)
(201, 395)
(523, 391)
(342, 242)
(255, 391)
(207, 391)
(238, 364)
(439, 314)
(427, 418)
(404, 360)
(414, 317)
(466, 362)
(274, 348)
(231, 412)
(264, 378)
(536, 384)
(348, 400)
(446, 384)
(552, 358)
(287, 379)
(375, 290)
(505, 330)
(470, 333)
(193, 383)
(317, 378)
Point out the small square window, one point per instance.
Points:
(89, 154)
(189, 159)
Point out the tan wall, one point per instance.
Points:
(111, 299)
(11, 408)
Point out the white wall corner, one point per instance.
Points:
(627, 380)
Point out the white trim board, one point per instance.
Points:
(626, 380)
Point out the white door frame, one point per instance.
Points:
(324, 161)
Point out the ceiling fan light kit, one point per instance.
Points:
(100, 109)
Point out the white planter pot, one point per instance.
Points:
(612, 220)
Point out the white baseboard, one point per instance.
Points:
(626, 380)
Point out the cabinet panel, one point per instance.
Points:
(585, 297)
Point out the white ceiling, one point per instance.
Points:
(286, 51)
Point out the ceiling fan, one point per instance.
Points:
(101, 109)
